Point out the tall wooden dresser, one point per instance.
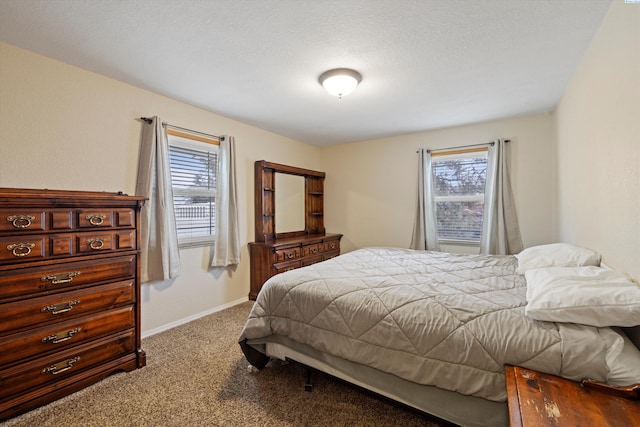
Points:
(69, 293)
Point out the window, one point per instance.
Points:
(459, 181)
(193, 161)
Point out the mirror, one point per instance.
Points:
(289, 192)
(289, 198)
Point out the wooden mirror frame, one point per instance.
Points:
(265, 201)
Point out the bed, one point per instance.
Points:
(430, 330)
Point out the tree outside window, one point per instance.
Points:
(459, 181)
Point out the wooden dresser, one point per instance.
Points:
(276, 256)
(69, 293)
(274, 252)
(542, 400)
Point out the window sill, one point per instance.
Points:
(188, 245)
(470, 243)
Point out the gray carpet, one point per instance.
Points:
(196, 375)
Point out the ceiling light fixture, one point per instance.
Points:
(340, 81)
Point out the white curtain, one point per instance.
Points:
(500, 229)
(226, 250)
(159, 259)
(425, 230)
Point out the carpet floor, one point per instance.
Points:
(196, 375)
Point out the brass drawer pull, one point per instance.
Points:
(332, 245)
(314, 250)
(61, 278)
(60, 367)
(290, 255)
(21, 221)
(21, 249)
(61, 336)
(95, 219)
(60, 308)
(96, 244)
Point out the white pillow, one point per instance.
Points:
(555, 255)
(588, 295)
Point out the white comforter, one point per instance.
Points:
(432, 318)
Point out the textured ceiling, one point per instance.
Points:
(425, 64)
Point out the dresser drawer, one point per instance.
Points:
(329, 255)
(103, 218)
(287, 254)
(23, 248)
(312, 250)
(58, 336)
(311, 260)
(54, 278)
(18, 315)
(286, 266)
(331, 245)
(20, 221)
(109, 241)
(26, 248)
(64, 364)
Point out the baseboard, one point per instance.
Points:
(172, 325)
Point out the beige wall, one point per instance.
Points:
(62, 127)
(371, 186)
(598, 145)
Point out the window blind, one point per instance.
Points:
(193, 176)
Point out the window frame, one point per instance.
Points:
(455, 154)
(193, 142)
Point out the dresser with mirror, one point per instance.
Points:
(289, 222)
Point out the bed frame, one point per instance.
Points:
(433, 401)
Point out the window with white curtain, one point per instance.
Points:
(193, 160)
(459, 185)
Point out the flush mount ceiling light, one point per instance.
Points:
(340, 81)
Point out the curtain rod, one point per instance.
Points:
(149, 120)
(460, 147)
